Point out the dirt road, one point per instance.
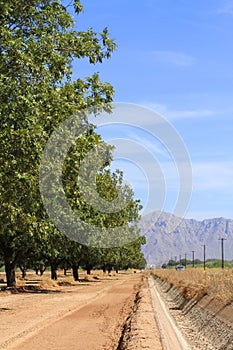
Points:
(123, 312)
(86, 316)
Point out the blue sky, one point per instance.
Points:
(176, 58)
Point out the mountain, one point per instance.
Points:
(168, 236)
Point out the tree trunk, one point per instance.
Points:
(65, 271)
(53, 272)
(88, 270)
(75, 272)
(104, 269)
(23, 270)
(42, 271)
(40, 268)
(116, 269)
(10, 273)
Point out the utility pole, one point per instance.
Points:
(193, 251)
(185, 260)
(222, 246)
(180, 259)
(204, 246)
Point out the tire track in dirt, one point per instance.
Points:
(96, 325)
(26, 314)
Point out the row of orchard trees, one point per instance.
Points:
(61, 252)
(39, 43)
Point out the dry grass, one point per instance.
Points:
(48, 283)
(44, 282)
(195, 282)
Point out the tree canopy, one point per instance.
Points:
(38, 45)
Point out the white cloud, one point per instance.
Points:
(214, 176)
(173, 57)
(227, 9)
(152, 145)
(210, 180)
(194, 113)
(182, 114)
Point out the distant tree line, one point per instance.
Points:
(210, 263)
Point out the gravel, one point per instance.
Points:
(203, 331)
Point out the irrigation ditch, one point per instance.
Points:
(206, 322)
(162, 318)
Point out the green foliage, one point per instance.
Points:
(217, 263)
(38, 43)
(120, 258)
(172, 262)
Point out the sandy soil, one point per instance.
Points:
(87, 315)
(120, 312)
(141, 329)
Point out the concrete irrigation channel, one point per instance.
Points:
(171, 336)
(201, 323)
(162, 319)
(150, 325)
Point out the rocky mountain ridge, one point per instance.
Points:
(169, 236)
